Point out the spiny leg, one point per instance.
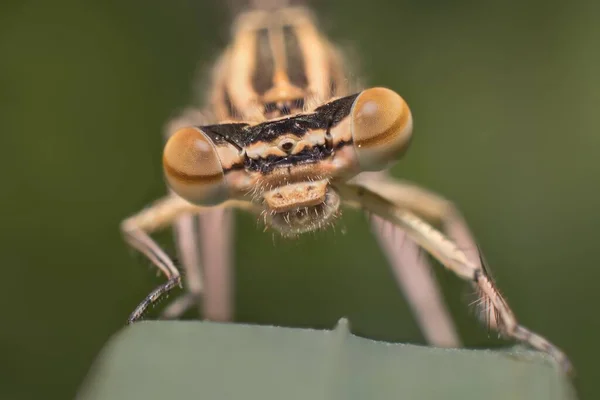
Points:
(415, 277)
(437, 211)
(452, 257)
(210, 287)
(136, 232)
(429, 205)
(186, 240)
(414, 274)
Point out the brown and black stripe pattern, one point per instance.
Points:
(277, 63)
(242, 135)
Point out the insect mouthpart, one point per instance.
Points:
(301, 207)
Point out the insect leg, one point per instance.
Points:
(451, 256)
(415, 277)
(434, 209)
(216, 233)
(412, 270)
(136, 231)
(209, 287)
(186, 240)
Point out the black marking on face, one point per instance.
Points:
(243, 134)
(227, 134)
(307, 156)
(297, 125)
(310, 155)
(287, 146)
(324, 117)
(335, 111)
(295, 59)
(262, 78)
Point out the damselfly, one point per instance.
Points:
(284, 137)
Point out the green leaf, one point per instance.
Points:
(203, 360)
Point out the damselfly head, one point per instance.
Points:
(285, 165)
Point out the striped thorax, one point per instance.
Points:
(277, 64)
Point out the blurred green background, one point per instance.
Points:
(505, 97)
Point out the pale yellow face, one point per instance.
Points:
(286, 165)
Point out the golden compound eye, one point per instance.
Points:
(192, 167)
(381, 127)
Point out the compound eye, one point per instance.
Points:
(193, 168)
(381, 128)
